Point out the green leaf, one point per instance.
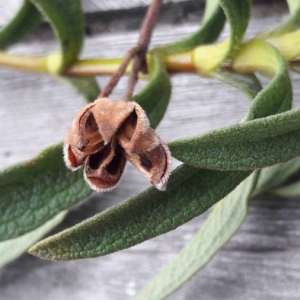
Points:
(33, 192)
(247, 146)
(213, 23)
(291, 24)
(233, 148)
(274, 176)
(12, 249)
(25, 21)
(86, 86)
(154, 98)
(285, 37)
(225, 218)
(288, 44)
(259, 56)
(190, 192)
(291, 190)
(247, 83)
(208, 58)
(66, 18)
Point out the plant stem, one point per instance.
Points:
(37, 64)
(94, 67)
(139, 62)
(179, 63)
(118, 74)
(137, 54)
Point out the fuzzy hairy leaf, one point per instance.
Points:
(33, 192)
(285, 37)
(213, 23)
(247, 83)
(225, 218)
(154, 98)
(274, 176)
(291, 190)
(25, 21)
(228, 214)
(277, 97)
(223, 221)
(190, 192)
(247, 146)
(232, 148)
(12, 249)
(66, 18)
(291, 24)
(208, 58)
(288, 44)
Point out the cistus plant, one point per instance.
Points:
(222, 169)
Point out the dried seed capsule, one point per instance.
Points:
(144, 149)
(83, 139)
(103, 170)
(105, 134)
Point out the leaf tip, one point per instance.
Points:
(41, 250)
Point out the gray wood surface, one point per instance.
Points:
(262, 261)
(9, 8)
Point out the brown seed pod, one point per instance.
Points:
(83, 139)
(103, 170)
(105, 134)
(144, 149)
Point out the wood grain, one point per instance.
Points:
(262, 260)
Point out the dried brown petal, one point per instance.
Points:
(110, 115)
(144, 149)
(82, 139)
(103, 169)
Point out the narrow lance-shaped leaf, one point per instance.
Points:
(223, 221)
(285, 37)
(227, 149)
(274, 176)
(98, 236)
(291, 190)
(247, 83)
(213, 23)
(33, 192)
(12, 249)
(277, 97)
(66, 18)
(25, 21)
(208, 58)
(190, 192)
(226, 216)
(288, 44)
(248, 146)
(154, 98)
(217, 230)
(291, 24)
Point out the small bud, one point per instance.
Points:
(105, 134)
